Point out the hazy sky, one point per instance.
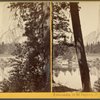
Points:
(89, 15)
(5, 17)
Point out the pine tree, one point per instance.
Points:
(79, 45)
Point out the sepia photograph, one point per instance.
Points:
(25, 46)
(76, 46)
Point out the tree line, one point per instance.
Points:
(93, 48)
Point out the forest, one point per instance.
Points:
(25, 67)
(93, 48)
(29, 62)
(70, 56)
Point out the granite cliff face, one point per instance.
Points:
(92, 37)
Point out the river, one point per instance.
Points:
(72, 79)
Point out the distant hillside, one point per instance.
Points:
(93, 48)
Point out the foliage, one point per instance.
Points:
(61, 30)
(97, 85)
(31, 65)
(60, 19)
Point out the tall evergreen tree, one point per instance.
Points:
(84, 70)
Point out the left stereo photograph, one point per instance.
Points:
(25, 46)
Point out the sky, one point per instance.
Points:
(5, 17)
(89, 16)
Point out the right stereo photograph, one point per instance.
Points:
(76, 46)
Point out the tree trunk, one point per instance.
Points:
(79, 45)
